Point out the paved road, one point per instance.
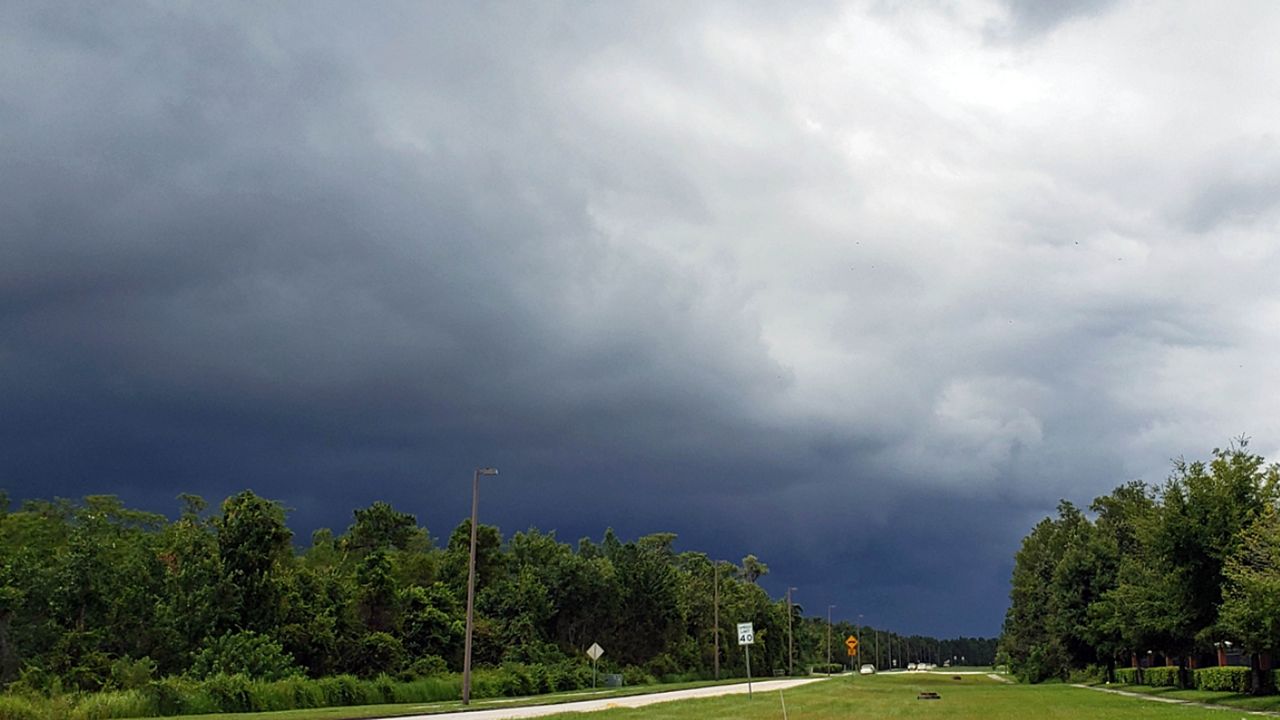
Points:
(613, 702)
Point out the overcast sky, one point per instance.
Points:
(862, 289)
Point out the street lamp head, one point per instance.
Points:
(486, 471)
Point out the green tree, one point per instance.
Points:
(1251, 607)
(253, 546)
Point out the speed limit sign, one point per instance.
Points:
(746, 634)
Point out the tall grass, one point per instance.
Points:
(237, 693)
(13, 707)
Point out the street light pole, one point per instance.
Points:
(860, 656)
(716, 593)
(471, 583)
(829, 608)
(791, 653)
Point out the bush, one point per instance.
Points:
(425, 667)
(20, 708)
(488, 683)
(383, 687)
(341, 690)
(632, 675)
(1231, 679)
(574, 675)
(381, 653)
(1127, 676)
(433, 689)
(1162, 676)
(1090, 674)
(254, 656)
(662, 664)
(231, 693)
(169, 696)
(238, 693)
(129, 674)
(833, 668)
(111, 704)
(301, 692)
(515, 679)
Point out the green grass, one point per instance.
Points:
(1230, 699)
(359, 712)
(973, 697)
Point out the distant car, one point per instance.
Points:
(867, 669)
(911, 666)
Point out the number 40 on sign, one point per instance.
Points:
(746, 634)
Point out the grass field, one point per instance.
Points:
(972, 697)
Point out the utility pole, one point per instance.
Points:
(716, 593)
(471, 582)
(791, 652)
(829, 607)
(859, 642)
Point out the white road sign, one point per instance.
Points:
(746, 634)
(595, 651)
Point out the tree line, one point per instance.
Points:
(1177, 575)
(93, 593)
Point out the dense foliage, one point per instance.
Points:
(1167, 575)
(96, 596)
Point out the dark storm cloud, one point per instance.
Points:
(670, 268)
(218, 274)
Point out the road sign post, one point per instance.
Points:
(594, 652)
(747, 638)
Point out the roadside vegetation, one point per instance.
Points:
(107, 611)
(1171, 579)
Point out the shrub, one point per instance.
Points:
(168, 696)
(381, 653)
(517, 679)
(128, 674)
(425, 667)
(1127, 676)
(383, 687)
(247, 653)
(433, 689)
(574, 675)
(270, 696)
(662, 664)
(1090, 674)
(20, 708)
(1161, 677)
(1232, 679)
(111, 704)
(341, 690)
(632, 675)
(231, 693)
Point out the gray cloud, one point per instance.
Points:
(1028, 19)
(853, 291)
